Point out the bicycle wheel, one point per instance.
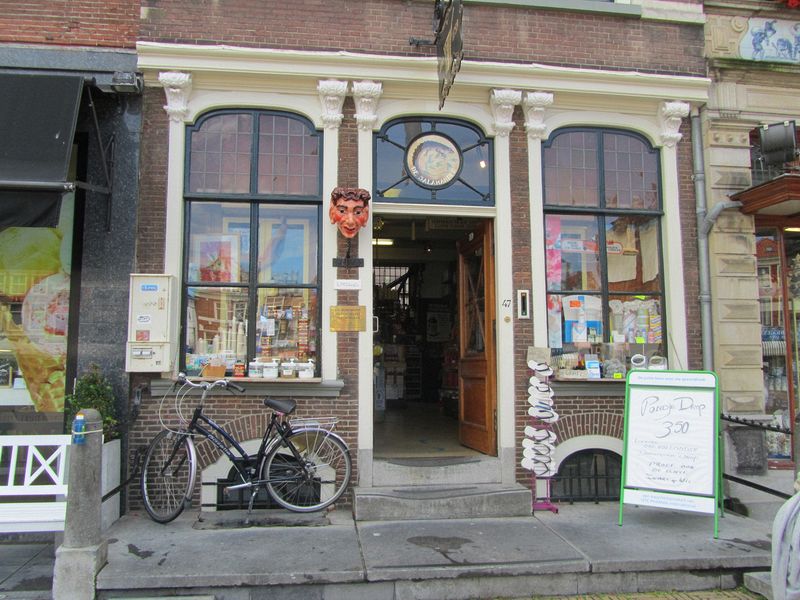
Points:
(318, 481)
(167, 475)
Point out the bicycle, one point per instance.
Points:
(302, 465)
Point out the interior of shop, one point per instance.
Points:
(416, 335)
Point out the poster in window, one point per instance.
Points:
(216, 258)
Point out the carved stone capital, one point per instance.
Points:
(503, 103)
(177, 87)
(534, 105)
(366, 95)
(671, 114)
(332, 93)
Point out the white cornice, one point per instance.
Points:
(221, 64)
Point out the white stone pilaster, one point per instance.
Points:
(535, 105)
(177, 88)
(671, 114)
(332, 94)
(366, 95)
(502, 103)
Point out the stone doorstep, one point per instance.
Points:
(437, 502)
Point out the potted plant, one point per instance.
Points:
(93, 390)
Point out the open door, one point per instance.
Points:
(476, 371)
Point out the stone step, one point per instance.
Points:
(462, 501)
(759, 582)
(456, 470)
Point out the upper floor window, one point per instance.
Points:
(602, 198)
(251, 267)
(433, 160)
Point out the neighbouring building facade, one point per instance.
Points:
(70, 116)
(548, 204)
(750, 182)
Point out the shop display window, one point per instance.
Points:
(251, 277)
(779, 339)
(603, 254)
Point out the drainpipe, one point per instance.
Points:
(705, 222)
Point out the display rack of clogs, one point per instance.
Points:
(538, 445)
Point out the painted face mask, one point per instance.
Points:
(349, 210)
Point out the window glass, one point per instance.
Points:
(632, 256)
(216, 327)
(288, 156)
(603, 253)
(571, 170)
(36, 232)
(287, 249)
(251, 280)
(458, 159)
(631, 173)
(220, 154)
(573, 255)
(219, 242)
(287, 328)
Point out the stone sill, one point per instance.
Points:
(315, 387)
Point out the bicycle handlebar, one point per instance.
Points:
(206, 385)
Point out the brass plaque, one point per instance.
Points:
(348, 318)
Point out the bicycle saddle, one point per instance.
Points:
(282, 405)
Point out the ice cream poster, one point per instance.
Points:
(35, 267)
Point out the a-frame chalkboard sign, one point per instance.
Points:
(671, 451)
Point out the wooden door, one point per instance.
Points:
(476, 370)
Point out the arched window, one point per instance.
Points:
(433, 160)
(251, 266)
(602, 204)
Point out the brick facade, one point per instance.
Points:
(108, 24)
(491, 32)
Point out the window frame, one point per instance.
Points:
(600, 213)
(483, 141)
(255, 200)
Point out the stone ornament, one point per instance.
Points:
(177, 87)
(366, 95)
(671, 114)
(534, 105)
(332, 93)
(503, 103)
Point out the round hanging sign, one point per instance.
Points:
(433, 160)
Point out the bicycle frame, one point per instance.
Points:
(243, 462)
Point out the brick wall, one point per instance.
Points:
(491, 32)
(243, 416)
(107, 23)
(153, 183)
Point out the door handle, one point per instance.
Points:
(375, 324)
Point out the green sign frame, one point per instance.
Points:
(671, 442)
